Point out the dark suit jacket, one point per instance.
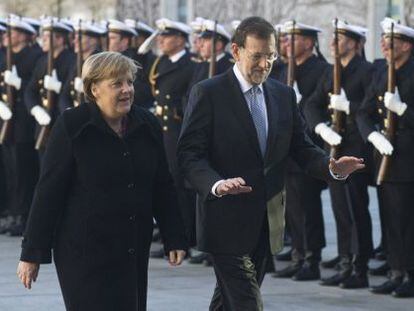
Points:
(219, 141)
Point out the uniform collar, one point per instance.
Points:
(176, 57)
(244, 85)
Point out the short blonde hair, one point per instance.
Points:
(105, 65)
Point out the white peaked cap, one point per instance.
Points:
(118, 26)
(139, 26)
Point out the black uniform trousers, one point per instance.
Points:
(304, 214)
(22, 171)
(239, 277)
(397, 199)
(350, 202)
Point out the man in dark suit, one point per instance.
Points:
(238, 131)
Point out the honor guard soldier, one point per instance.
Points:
(281, 60)
(303, 192)
(223, 59)
(87, 42)
(49, 74)
(36, 25)
(120, 37)
(2, 172)
(145, 57)
(17, 125)
(170, 77)
(386, 119)
(341, 92)
(197, 27)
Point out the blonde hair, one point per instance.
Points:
(105, 65)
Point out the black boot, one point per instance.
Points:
(405, 290)
(330, 264)
(198, 259)
(387, 287)
(308, 272)
(289, 271)
(355, 281)
(17, 226)
(336, 279)
(381, 270)
(5, 223)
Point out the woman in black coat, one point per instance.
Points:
(104, 177)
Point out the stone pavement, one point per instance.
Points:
(190, 287)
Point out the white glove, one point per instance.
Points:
(298, 94)
(12, 78)
(5, 112)
(78, 85)
(52, 83)
(328, 134)
(340, 102)
(380, 143)
(147, 44)
(393, 102)
(41, 115)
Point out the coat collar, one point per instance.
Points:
(93, 117)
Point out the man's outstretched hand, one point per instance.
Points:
(346, 165)
(232, 186)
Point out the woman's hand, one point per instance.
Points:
(176, 257)
(27, 272)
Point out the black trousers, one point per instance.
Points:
(304, 214)
(350, 202)
(22, 171)
(239, 277)
(397, 199)
(3, 191)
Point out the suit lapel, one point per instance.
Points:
(272, 104)
(241, 110)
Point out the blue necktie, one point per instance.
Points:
(258, 112)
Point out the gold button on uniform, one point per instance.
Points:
(167, 96)
(157, 92)
(379, 110)
(165, 128)
(380, 98)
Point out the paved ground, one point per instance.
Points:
(190, 287)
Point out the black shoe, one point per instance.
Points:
(355, 281)
(288, 272)
(405, 290)
(336, 279)
(381, 270)
(330, 264)
(308, 273)
(156, 237)
(198, 259)
(286, 256)
(388, 287)
(159, 253)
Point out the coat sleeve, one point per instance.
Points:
(193, 144)
(309, 156)
(367, 117)
(165, 202)
(49, 197)
(31, 93)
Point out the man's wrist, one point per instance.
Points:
(214, 188)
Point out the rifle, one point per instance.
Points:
(391, 121)
(292, 61)
(213, 57)
(48, 104)
(79, 63)
(7, 125)
(338, 117)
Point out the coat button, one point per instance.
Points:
(132, 218)
(126, 153)
(131, 185)
(131, 251)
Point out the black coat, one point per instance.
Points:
(23, 124)
(94, 206)
(372, 117)
(219, 141)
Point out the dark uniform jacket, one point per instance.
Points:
(355, 80)
(23, 124)
(68, 96)
(94, 206)
(307, 76)
(372, 117)
(219, 141)
(36, 94)
(277, 70)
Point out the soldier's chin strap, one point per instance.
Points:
(318, 51)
